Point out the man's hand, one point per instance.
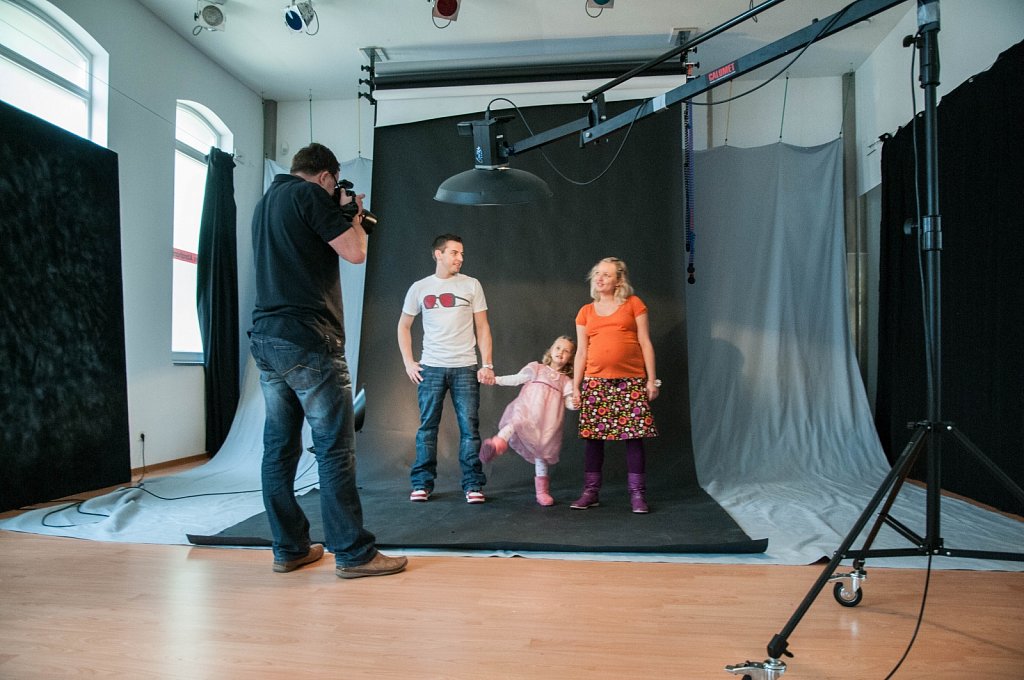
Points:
(412, 369)
(345, 199)
(485, 376)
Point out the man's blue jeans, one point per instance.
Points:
(299, 382)
(466, 398)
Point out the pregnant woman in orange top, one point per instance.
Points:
(614, 380)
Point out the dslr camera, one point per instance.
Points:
(351, 209)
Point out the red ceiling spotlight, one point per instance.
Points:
(446, 9)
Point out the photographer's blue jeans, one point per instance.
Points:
(301, 383)
(465, 391)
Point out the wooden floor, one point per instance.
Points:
(83, 609)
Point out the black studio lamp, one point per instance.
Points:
(491, 182)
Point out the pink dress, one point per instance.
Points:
(538, 413)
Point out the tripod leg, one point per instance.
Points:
(903, 466)
(778, 644)
(851, 596)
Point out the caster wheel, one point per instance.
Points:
(846, 597)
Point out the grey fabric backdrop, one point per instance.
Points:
(775, 390)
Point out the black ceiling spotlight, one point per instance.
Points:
(491, 181)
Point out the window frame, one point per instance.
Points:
(96, 94)
(222, 137)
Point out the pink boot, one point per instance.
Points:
(492, 448)
(542, 484)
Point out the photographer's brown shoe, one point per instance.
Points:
(316, 551)
(380, 565)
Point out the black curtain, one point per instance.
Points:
(63, 386)
(217, 297)
(532, 261)
(981, 172)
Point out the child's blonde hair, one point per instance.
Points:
(567, 368)
(623, 289)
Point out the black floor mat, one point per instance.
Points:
(683, 521)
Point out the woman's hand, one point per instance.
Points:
(653, 385)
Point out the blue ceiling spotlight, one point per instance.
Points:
(302, 18)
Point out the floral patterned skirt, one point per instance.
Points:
(615, 408)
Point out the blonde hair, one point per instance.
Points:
(623, 289)
(567, 368)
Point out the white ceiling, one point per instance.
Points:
(259, 49)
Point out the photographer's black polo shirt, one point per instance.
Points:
(298, 282)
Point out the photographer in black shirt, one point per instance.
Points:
(299, 228)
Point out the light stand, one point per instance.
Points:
(928, 434)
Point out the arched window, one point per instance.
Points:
(52, 68)
(197, 129)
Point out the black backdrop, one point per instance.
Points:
(532, 261)
(63, 394)
(981, 172)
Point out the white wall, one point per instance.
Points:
(150, 68)
(802, 112)
(343, 125)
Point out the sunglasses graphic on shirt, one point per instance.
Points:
(445, 300)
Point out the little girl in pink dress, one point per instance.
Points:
(532, 423)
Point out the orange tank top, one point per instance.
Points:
(613, 350)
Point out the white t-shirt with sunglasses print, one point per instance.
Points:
(448, 306)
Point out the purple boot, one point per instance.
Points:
(591, 485)
(637, 488)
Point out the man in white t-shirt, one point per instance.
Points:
(455, 326)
